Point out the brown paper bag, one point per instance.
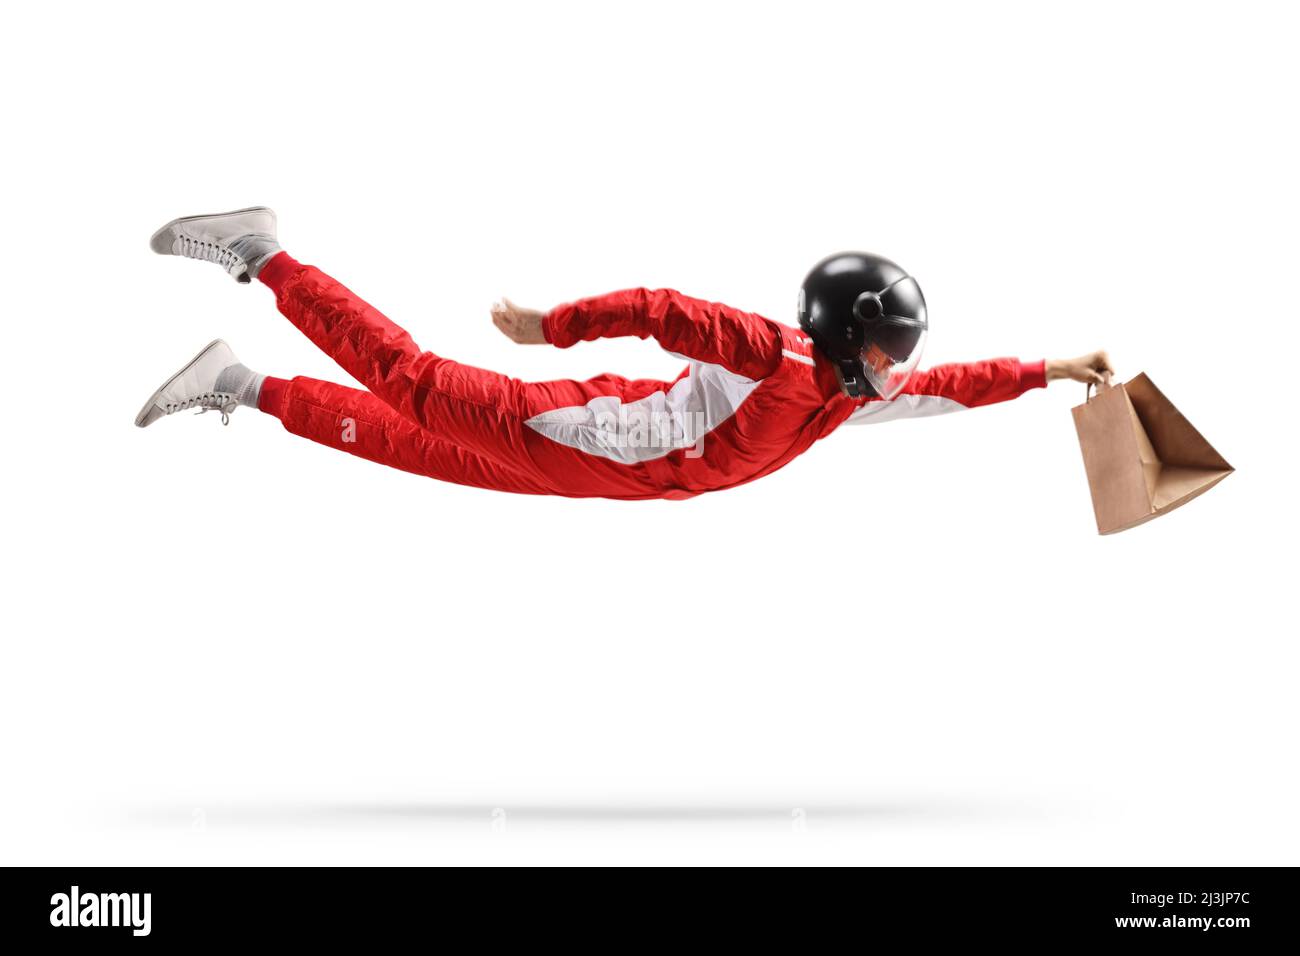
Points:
(1142, 456)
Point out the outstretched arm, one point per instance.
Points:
(740, 342)
(958, 386)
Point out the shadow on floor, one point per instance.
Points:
(404, 813)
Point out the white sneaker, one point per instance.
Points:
(241, 242)
(212, 381)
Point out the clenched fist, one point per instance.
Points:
(1093, 368)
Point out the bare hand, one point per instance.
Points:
(1093, 368)
(519, 324)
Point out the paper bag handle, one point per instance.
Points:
(1087, 394)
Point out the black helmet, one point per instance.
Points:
(868, 317)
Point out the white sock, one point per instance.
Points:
(241, 382)
(256, 251)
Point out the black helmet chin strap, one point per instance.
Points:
(852, 382)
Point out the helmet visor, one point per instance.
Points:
(891, 354)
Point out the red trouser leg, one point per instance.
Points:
(359, 423)
(480, 411)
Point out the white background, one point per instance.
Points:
(228, 645)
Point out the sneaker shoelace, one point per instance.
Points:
(222, 402)
(208, 252)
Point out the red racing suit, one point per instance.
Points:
(754, 395)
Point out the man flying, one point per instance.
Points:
(754, 394)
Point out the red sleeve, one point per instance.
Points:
(978, 383)
(740, 342)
